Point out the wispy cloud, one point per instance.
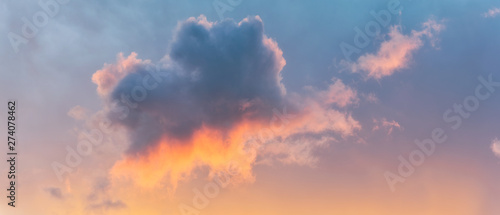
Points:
(493, 12)
(78, 112)
(386, 124)
(495, 146)
(299, 150)
(370, 97)
(395, 53)
(337, 93)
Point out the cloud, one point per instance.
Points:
(387, 125)
(78, 112)
(107, 78)
(223, 75)
(495, 147)
(337, 93)
(370, 97)
(316, 118)
(99, 189)
(100, 199)
(493, 12)
(54, 192)
(298, 150)
(217, 88)
(395, 53)
(107, 205)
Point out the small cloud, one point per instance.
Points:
(370, 97)
(492, 13)
(100, 188)
(108, 205)
(396, 53)
(387, 125)
(54, 192)
(78, 112)
(337, 93)
(495, 147)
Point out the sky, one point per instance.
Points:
(251, 107)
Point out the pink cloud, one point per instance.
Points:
(387, 125)
(107, 77)
(495, 147)
(337, 93)
(78, 112)
(370, 97)
(396, 53)
(492, 12)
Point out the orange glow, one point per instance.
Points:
(172, 160)
(176, 159)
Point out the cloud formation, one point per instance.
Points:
(107, 78)
(387, 125)
(223, 74)
(216, 90)
(78, 112)
(495, 147)
(493, 12)
(337, 93)
(395, 53)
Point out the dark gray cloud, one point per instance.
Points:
(55, 192)
(218, 75)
